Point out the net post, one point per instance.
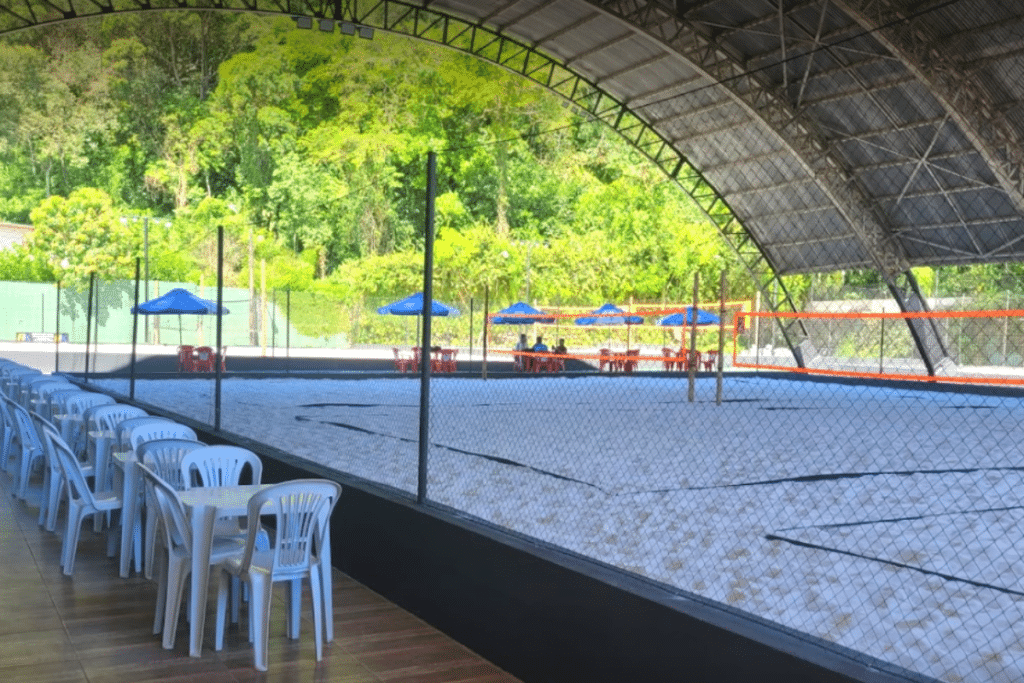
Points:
(691, 355)
(721, 339)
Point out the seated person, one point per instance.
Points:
(517, 359)
(557, 363)
(540, 362)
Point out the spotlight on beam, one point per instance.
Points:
(303, 22)
(327, 25)
(366, 32)
(348, 28)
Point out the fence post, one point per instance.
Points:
(220, 327)
(135, 331)
(88, 324)
(428, 303)
(721, 339)
(56, 347)
(692, 353)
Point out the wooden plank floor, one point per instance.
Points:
(96, 627)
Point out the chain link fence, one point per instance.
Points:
(878, 513)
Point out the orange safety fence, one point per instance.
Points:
(990, 379)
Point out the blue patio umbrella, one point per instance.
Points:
(679, 319)
(602, 316)
(178, 301)
(413, 305)
(520, 313)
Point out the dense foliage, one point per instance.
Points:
(309, 149)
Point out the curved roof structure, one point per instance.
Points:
(822, 134)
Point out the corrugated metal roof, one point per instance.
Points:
(842, 133)
(914, 107)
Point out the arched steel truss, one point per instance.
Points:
(690, 40)
(656, 20)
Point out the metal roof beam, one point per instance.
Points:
(600, 47)
(526, 15)
(568, 28)
(696, 111)
(659, 92)
(964, 96)
(812, 149)
(857, 92)
(498, 10)
(631, 68)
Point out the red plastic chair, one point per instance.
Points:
(710, 356)
(401, 364)
(606, 359)
(631, 360)
(670, 358)
(185, 358)
(204, 359)
(448, 362)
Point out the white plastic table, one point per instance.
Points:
(205, 504)
(130, 487)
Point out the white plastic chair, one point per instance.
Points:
(14, 379)
(73, 427)
(173, 572)
(223, 465)
(26, 387)
(301, 510)
(39, 394)
(8, 457)
(30, 448)
(220, 465)
(124, 430)
(163, 458)
(103, 422)
(11, 376)
(58, 404)
(151, 431)
(53, 476)
(82, 502)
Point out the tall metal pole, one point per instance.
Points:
(721, 339)
(487, 326)
(56, 347)
(96, 331)
(881, 350)
(428, 301)
(471, 328)
(88, 324)
(220, 325)
(691, 362)
(135, 332)
(145, 254)
(288, 330)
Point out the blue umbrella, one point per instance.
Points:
(413, 305)
(601, 317)
(178, 301)
(520, 313)
(679, 319)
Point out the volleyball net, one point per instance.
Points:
(646, 331)
(976, 347)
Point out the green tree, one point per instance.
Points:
(79, 235)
